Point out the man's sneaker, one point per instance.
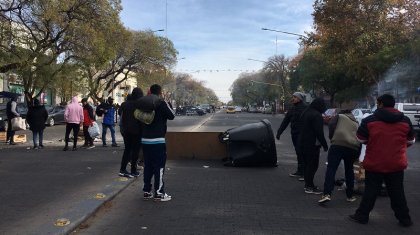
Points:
(147, 196)
(41, 146)
(104, 145)
(296, 174)
(115, 145)
(36, 147)
(405, 223)
(91, 147)
(162, 197)
(65, 148)
(351, 199)
(356, 219)
(135, 173)
(74, 149)
(313, 190)
(85, 146)
(325, 198)
(125, 174)
(301, 179)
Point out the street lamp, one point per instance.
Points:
(278, 31)
(271, 84)
(257, 60)
(159, 30)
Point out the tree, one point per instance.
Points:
(365, 35)
(42, 33)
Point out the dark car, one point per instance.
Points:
(21, 108)
(56, 115)
(191, 110)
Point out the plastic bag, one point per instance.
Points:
(94, 130)
(18, 124)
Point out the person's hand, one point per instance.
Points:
(325, 148)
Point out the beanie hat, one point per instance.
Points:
(299, 95)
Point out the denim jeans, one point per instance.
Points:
(112, 129)
(35, 135)
(335, 155)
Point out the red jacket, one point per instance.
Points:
(387, 134)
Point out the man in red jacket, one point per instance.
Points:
(387, 134)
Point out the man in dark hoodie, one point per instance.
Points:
(88, 119)
(311, 139)
(293, 117)
(387, 134)
(132, 129)
(154, 146)
(36, 117)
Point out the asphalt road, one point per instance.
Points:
(39, 187)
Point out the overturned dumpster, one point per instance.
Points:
(250, 145)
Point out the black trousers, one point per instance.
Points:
(69, 127)
(395, 188)
(300, 160)
(10, 133)
(131, 151)
(88, 139)
(311, 157)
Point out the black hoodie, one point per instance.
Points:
(131, 125)
(312, 132)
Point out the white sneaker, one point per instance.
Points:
(325, 198)
(351, 199)
(162, 197)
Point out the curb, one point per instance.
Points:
(84, 209)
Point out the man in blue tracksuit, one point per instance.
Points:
(108, 110)
(154, 146)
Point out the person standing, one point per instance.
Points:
(387, 134)
(293, 117)
(132, 129)
(88, 119)
(311, 139)
(73, 115)
(36, 117)
(11, 113)
(344, 146)
(108, 122)
(154, 146)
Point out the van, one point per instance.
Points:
(412, 111)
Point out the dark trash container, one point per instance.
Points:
(250, 145)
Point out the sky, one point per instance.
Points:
(218, 37)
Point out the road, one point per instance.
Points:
(39, 187)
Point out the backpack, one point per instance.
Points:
(99, 110)
(146, 111)
(145, 117)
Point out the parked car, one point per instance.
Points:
(252, 109)
(191, 110)
(238, 109)
(412, 111)
(330, 113)
(359, 114)
(21, 108)
(56, 115)
(230, 109)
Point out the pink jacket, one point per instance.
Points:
(74, 112)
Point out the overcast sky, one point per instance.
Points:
(217, 37)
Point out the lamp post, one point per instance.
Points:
(271, 84)
(159, 30)
(278, 31)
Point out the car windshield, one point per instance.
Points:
(411, 107)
